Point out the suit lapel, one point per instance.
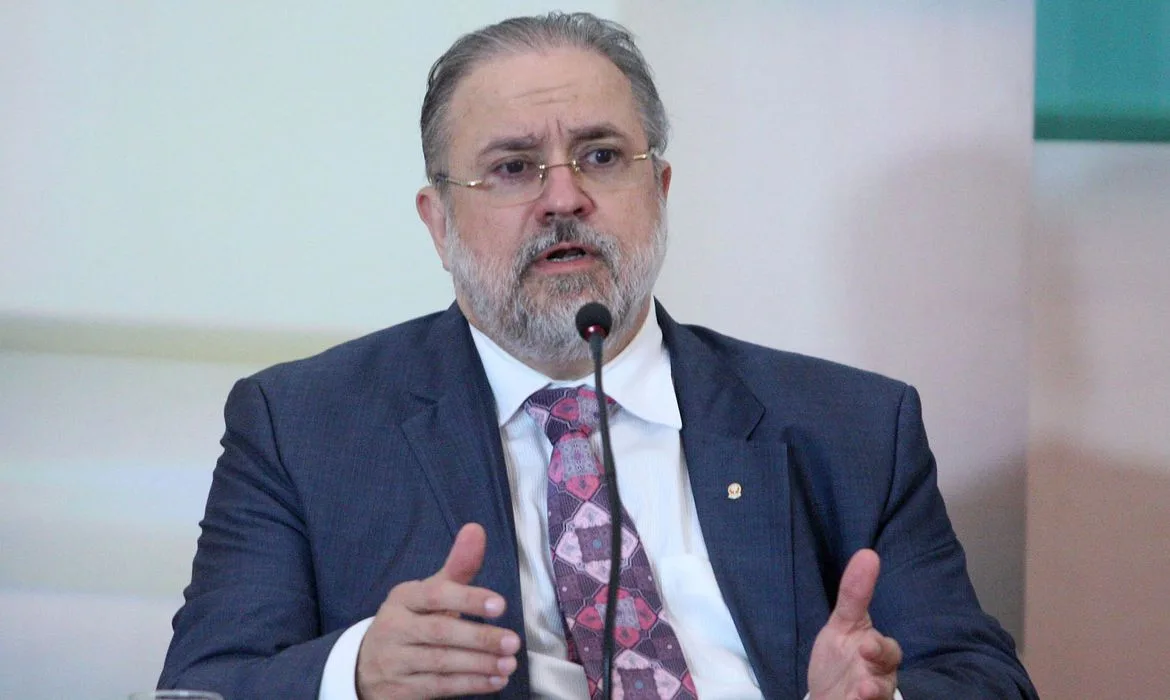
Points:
(455, 436)
(741, 492)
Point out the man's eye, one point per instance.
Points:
(603, 156)
(511, 169)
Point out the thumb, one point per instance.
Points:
(466, 556)
(856, 591)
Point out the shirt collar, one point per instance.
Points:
(638, 379)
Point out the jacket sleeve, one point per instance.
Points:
(249, 626)
(924, 599)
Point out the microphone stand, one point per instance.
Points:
(596, 340)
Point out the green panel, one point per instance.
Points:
(1103, 70)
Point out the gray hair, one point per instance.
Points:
(541, 32)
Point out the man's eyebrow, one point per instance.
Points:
(531, 142)
(593, 132)
(526, 142)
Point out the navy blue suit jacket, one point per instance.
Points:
(347, 473)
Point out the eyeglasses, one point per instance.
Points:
(519, 179)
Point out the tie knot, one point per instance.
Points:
(562, 410)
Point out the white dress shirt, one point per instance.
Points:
(652, 479)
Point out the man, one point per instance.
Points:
(410, 514)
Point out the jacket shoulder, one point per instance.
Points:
(382, 354)
(792, 373)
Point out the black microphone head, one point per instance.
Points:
(593, 318)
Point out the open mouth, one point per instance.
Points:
(567, 252)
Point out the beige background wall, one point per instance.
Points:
(852, 183)
(1099, 463)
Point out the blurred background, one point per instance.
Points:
(971, 196)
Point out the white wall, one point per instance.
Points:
(1099, 466)
(188, 192)
(104, 465)
(222, 163)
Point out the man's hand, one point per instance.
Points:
(418, 647)
(850, 659)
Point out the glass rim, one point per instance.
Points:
(531, 190)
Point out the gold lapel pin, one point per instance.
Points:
(734, 490)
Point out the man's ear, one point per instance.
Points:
(434, 214)
(664, 179)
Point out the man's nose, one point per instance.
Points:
(563, 194)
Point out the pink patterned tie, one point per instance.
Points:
(648, 660)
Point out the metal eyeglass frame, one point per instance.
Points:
(542, 169)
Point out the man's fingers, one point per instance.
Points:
(456, 684)
(851, 658)
(445, 661)
(447, 590)
(875, 689)
(444, 631)
(419, 643)
(436, 595)
(883, 653)
(466, 555)
(857, 584)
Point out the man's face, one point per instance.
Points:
(521, 270)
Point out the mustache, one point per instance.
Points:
(568, 231)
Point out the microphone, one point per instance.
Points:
(593, 323)
(593, 319)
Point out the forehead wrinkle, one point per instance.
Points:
(547, 95)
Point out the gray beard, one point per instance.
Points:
(540, 325)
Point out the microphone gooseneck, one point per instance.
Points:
(593, 323)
